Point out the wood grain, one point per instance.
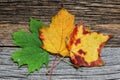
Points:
(63, 71)
(87, 11)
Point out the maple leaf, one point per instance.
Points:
(34, 57)
(85, 46)
(54, 36)
(24, 39)
(31, 54)
(35, 26)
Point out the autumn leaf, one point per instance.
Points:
(54, 36)
(85, 46)
(31, 54)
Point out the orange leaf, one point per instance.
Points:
(85, 46)
(54, 36)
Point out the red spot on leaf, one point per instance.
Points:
(85, 32)
(78, 61)
(98, 62)
(81, 52)
(74, 33)
(72, 37)
(41, 37)
(77, 42)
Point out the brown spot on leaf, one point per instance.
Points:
(85, 32)
(77, 42)
(81, 52)
(98, 62)
(72, 37)
(78, 61)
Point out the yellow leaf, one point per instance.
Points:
(85, 46)
(54, 36)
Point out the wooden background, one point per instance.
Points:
(101, 15)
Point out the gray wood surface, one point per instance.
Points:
(63, 71)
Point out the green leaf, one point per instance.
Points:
(34, 57)
(35, 25)
(31, 53)
(24, 39)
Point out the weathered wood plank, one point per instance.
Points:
(6, 31)
(63, 71)
(87, 11)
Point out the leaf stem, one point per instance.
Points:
(49, 70)
(68, 62)
(52, 67)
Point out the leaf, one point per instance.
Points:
(54, 36)
(85, 46)
(35, 25)
(34, 57)
(31, 54)
(24, 39)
